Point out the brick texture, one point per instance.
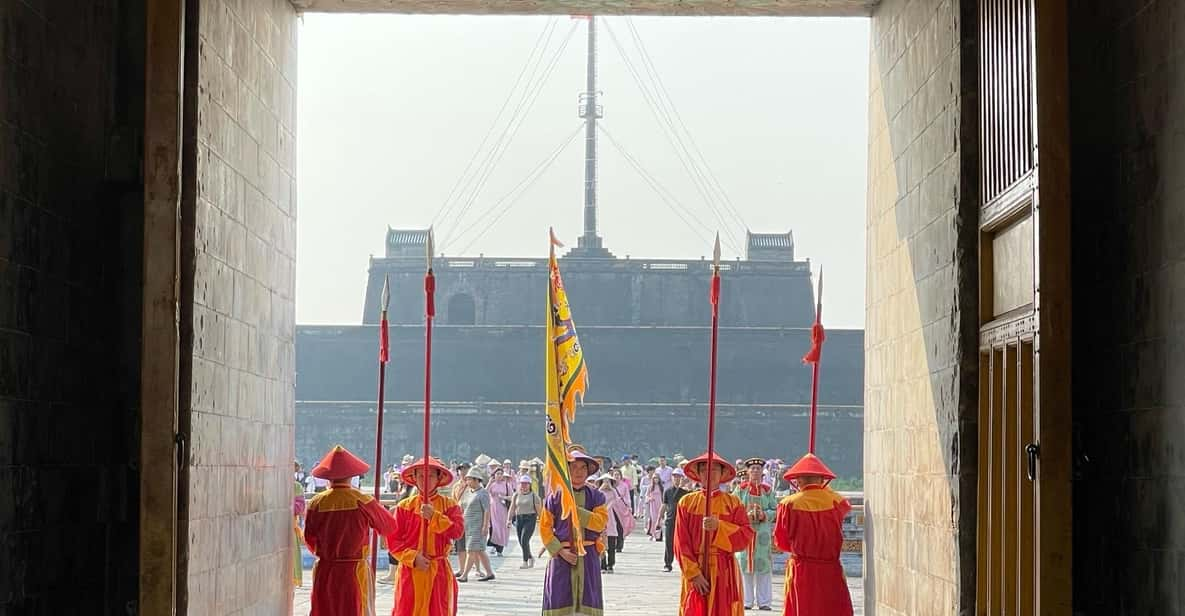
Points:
(1127, 62)
(919, 434)
(69, 306)
(240, 399)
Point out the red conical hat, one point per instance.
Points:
(692, 473)
(408, 473)
(809, 464)
(339, 463)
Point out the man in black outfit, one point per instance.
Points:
(670, 505)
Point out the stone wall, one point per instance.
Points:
(919, 437)
(462, 431)
(1127, 105)
(238, 404)
(648, 390)
(601, 291)
(71, 117)
(638, 365)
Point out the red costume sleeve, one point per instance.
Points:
(378, 517)
(688, 529)
(313, 524)
(455, 528)
(784, 526)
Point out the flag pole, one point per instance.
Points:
(815, 356)
(384, 357)
(429, 315)
(714, 298)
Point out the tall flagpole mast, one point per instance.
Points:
(429, 315)
(714, 298)
(384, 357)
(589, 244)
(815, 357)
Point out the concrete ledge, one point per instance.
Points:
(791, 8)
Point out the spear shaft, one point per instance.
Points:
(384, 356)
(429, 316)
(714, 298)
(817, 353)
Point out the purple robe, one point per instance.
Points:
(571, 589)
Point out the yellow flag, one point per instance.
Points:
(566, 378)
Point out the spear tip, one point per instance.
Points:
(430, 247)
(386, 291)
(716, 252)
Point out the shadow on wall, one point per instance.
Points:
(920, 353)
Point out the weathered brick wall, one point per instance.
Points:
(602, 292)
(648, 390)
(463, 431)
(240, 399)
(1127, 106)
(505, 364)
(71, 114)
(919, 434)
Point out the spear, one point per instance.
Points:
(813, 357)
(429, 315)
(384, 357)
(714, 298)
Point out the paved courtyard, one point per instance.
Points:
(638, 588)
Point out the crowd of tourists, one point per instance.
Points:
(471, 509)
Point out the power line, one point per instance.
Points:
(530, 97)
(476, 182)
(517, 192)
(703, 185)
(537, 48)
(664, 194)
(671, 135)
(690, 137)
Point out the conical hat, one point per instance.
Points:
(692, 472)
(339, 463)
(409, 470)
(481, 460)
(809, 465)
(576, 452)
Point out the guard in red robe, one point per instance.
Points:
(716, 591)
(424, 582)
(337, 530)
(809, 526)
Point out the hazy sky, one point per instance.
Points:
(392, 108)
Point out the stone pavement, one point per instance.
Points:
(638, 588)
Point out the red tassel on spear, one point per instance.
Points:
(384, 357)
(813, 357)
(429, 315)
(714, 298)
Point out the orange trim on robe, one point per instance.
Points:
(733, 535)
(809, 526)
(432, 592)
(337, 531)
